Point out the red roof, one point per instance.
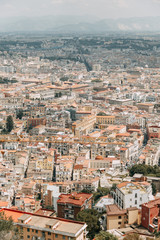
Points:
(77, 199)
(152, 203)
(78, 166)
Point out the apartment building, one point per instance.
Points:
(151, 153)
(109, 162)
(153, 131)
(38, 227)
(132, 194)
(50, 195)
(119, 218)
(79, 171)
(69, 205)
(84, 126)
(35, 122)
(151, 215)
(148, 107)
(120, 101)
(105, 120)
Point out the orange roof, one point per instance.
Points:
(80, 166)
(123, 149)
(12, 214)
(123, 184)
(134, 130)
(3, 204)
(126, 134)
(99, 157)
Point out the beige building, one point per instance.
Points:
(84, 126)
(33, 226)
(148, 107)
(109, 162)
(105, 119)
(117, 218)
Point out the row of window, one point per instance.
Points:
(49, 233)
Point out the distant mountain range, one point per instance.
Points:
(81, 24)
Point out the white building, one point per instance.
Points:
(132, 194)
(100, 206)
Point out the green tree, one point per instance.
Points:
(19, 114)
(85, 190)
(105, 236)
(145, 170)
(7, 229)
(96, 80)
(63, 79)
(154, 189)
(30, 127)
(91, 218)
(101, 114)
(49, 207)
(9, 123)
(4, 131)
(113, 188)
(138, 169)
(101, 191)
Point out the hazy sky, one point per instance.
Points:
(99, 8)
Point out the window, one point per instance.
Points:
(28, 230)
(135, 201)
(36, 231)
(140, 199)
(28, 236)
(49, 233)
(56, 235)
(32, 230)
(119, 222)
(119, 217)
(135, 195)
(63, 237)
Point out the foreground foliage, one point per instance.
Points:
(105, 236)
(7, 229)
(91, 218)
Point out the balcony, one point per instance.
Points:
(155, 222)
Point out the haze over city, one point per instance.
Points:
(100, 9)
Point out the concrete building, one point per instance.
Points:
(51, 194)
(69, 205)
(84, 126)
(148, 107)
(151, 215)
(121, 101)
(132, 194)
(38, 227)
(109, 162)
(104, 201)
(118, 218)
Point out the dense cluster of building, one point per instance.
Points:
(73, 131)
